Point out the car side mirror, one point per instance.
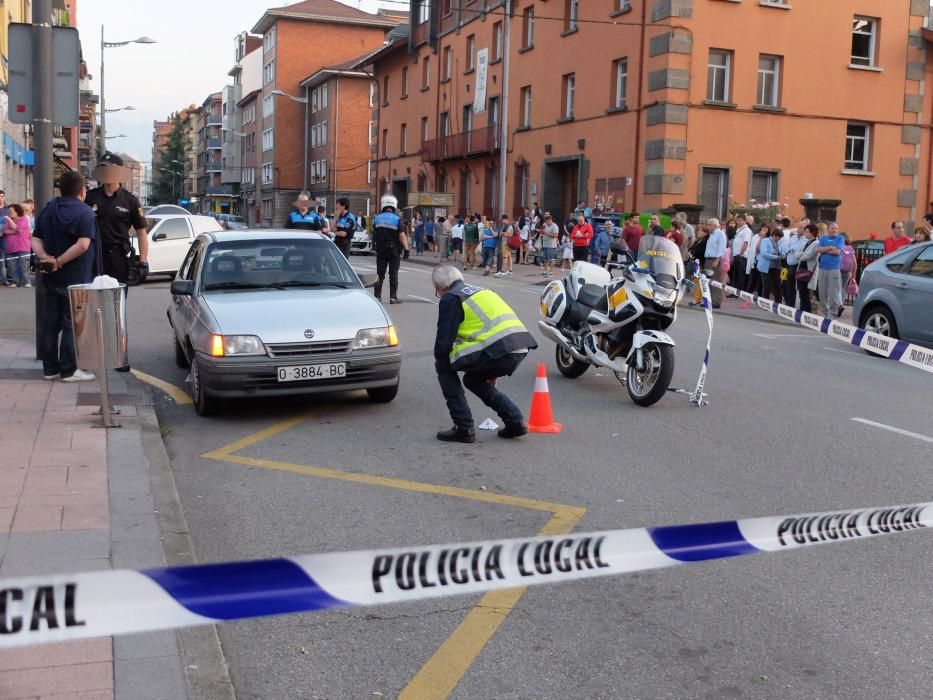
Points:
(369, 280)
(182, 288)
(160, 237)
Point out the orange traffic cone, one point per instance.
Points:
(541, 418)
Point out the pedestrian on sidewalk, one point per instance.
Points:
(602, 243)
(62, 242)
(807, 267)
(847, 265)
(456, 240)
(4, 210)
(470, 241)
(740, 243)
(755, 281)
(506, 246)
(489, 239)
(769, 264)
(897, 240)
(16, 237)
(580, 236)
(442, 232)
(429, 234)
(921, 235)
(829, 284)
(715, 252)
(549, 235)
(419, 233)
(477, 334)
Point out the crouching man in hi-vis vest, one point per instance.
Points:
(479, 335)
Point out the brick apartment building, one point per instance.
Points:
(337, 140)
(212, 195)
(250, 187)
(299, 40)
(246, 74)
(648, 104)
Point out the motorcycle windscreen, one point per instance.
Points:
(662, 258)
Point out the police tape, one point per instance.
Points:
(63, 607)
(891, 348)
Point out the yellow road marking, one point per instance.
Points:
(179, 396)
(447, 666)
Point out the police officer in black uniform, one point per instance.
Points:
(388, 240)
(345, 225)
(118, 210)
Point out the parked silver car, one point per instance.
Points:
(896, 295)
(268, 313)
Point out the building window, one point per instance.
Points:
(372, 95)
(497, 41)
(769, 81)
(525, 119)
(467, 119)
(446, 8)
(323, 174)
(422, 11)
(621, 5)
(319, 98)
(424, 130)
(444, 124)
(471, 53)
(268, 73)
(864, 41)
(385, 91)
(404, 82)
(620, 84)
(385, 143)
(528, 27)
(568, 94)
(858, 142)
(268, 105)
(372, 133)
(763, 186)
(493, 110)
(403, 139)
(714, 192)
(571, 15)
(718, 75)
(266, 173)
(267, 140)
(267, 208)
(268, 40)
(369, 172)
(425, 73)
(448, 64)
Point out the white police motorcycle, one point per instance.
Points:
(618, 322)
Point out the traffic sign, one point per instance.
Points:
(66, 64)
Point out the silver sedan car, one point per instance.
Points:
(268, 313)
(896, 295)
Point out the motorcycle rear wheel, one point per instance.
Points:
(646, 387)
(568, 365)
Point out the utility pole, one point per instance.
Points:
(43, 174)
(103, 103)
(504, 107)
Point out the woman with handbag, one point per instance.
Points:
(806, 270)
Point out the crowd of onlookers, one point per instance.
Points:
(17, 223)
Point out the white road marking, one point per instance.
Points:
(844, 352)
(425, 299)
(892, 429)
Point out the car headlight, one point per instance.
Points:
(376, 338)
(224, 345)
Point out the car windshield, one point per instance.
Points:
(662, 258)
(276, 264)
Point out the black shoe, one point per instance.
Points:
(841, 311)
(124, 368)
(457, 434)
(694, 303)
(393, 300)
(716, 306)
(513, 430)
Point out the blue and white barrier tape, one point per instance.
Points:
(61, 607)
(897, 350)
(708, 308)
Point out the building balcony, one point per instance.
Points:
(215, 143)
(216, 190)
(475, 142)
(214, 120)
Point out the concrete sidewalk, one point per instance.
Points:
(75, 497)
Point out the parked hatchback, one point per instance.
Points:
(170, 237)
(896, 295)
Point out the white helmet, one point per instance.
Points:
(388, 200)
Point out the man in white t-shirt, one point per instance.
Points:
(456, 239)
(549, 235)
(740, 243)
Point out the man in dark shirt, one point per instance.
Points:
(632, 233)
(117, 212)
(62, 242)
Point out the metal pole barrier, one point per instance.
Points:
(106, 412)
(42, 125)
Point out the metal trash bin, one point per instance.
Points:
(85, 303)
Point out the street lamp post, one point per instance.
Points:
(174, 173)
(103, 101)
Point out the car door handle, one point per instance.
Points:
(903, 285)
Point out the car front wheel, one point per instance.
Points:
(880, 320)
(383, 394)
(203, 404)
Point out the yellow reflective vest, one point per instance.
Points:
(489, 327)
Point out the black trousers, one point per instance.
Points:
(738, 272)
(773, 284)
(790, 285)
(755, 282)
(804, 296)
(56, 337)
(477, 381)
(116, 262)
(343, 243)
(390, 262)
(581, 252)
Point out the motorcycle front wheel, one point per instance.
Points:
(646, 386)
(568, 365)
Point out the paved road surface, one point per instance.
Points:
(779, 437)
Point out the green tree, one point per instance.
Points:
(163, 176)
